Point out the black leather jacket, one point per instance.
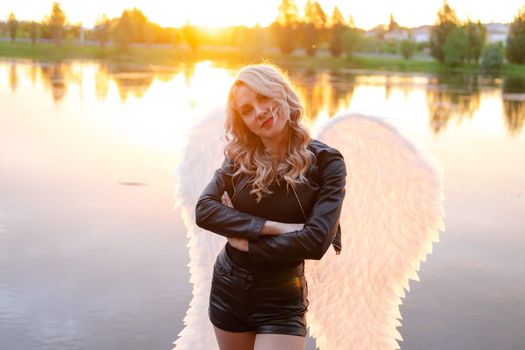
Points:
(326, 182)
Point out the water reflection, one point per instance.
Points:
(448, 97)
(341, 92)
(325, 93)
(134, 82)
(33, 71)
(189, 70)
(452, 96)
(86, 154)
(13, 78)
(102, 83)
(54, 79)
(313, 89)
(513, 98)
(514, 115)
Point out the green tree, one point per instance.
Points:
(139, 22)
(102, 30)
(492, 58)
(351, 40)
(133, 27)
(379, 32)
(288, 12)
(337, 17)
(251, 41)
(314, 14)
(33, 32)
(351, 22)
(124, 33)
(446, 22)
(284, 37)
(75, 30)
(56, 24)
(313, 26)
(477, 36)
(336, 32)
(407, 48)
(456, 46)
(516, 39)
(284, 29)
(12, 26)
(191, 36)
(150, 32)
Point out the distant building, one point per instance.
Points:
(497, 32)
(397, 35)
(421, 34)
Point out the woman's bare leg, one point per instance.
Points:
(234, 340)
(279, 342)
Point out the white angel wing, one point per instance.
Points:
(391, 215)
(202, 156)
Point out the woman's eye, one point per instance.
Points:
(246, 111)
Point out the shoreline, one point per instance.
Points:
(169, 55)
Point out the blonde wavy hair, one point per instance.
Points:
(247, 150)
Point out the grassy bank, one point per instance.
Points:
(169, 55)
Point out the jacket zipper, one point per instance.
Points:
(298, 201)
(240, 189)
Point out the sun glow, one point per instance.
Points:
(224, 13)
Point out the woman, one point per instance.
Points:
(277, 198)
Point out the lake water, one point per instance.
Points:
(93, 255)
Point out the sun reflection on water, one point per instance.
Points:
(147, 104)
(99, 142)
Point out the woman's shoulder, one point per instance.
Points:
(322, 150)
(328, 161)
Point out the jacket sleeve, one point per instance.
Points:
(212, 215)
(313, 240)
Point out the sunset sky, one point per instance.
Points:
(214, 13)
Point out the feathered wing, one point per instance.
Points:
(202, 156)
(391, 215)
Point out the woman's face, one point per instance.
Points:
(255, 111)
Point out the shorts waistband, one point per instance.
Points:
(244, 273)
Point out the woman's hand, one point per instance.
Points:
(269, 228)
(237, 243)
(276, 228)
(225, 199)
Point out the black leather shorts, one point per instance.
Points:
(242, 300)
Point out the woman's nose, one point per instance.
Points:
(260, 111)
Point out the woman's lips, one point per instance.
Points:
(267, 122)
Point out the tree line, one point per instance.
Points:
(451, 41)
(131, 27)
(454, 42)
